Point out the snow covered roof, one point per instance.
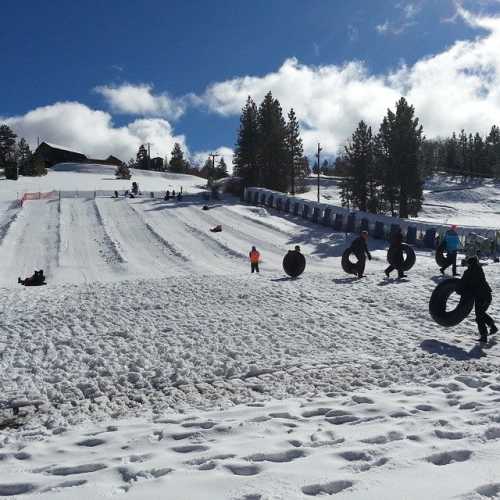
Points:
(62, 148)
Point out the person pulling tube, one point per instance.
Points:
(474, 285)
(359, 248)
(396, 248)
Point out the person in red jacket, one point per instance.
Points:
(254, 260)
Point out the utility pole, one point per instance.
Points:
(317, 156)
(213, 156)
(149, 155)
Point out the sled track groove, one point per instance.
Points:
(207, 238)
(110, 242)
(172, 249)
(4, 228)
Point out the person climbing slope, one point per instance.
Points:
(254, 260)
(396, 249)
(360, 249)
(474, 285)
(451, 243)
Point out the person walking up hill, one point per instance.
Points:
(474, 285)
(451, 243)
(360, 249)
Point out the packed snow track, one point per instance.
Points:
(86, 240)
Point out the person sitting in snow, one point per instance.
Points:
(359, 248)
(474, 285)
(254, 260)
(396, 248)
(37, 279)
(451, 243)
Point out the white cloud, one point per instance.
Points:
(457, 88)
(139, 100)
(92, 132)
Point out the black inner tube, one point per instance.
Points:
(348, 265)
(439, 299)
(441, 258)
(402, 259)
(294, 263)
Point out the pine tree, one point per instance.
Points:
(247, 143)
(221, 169)
(123, 172)
(384, 165)
(24, 158)
(272, 152)
(141, 161)
(38, 166)
(295, 151)
(359, 154)
(398, 146)
(7, 145)
(493, 150)
(207, 171)
(177, 162)
(451, 154)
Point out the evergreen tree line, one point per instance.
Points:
(465, 155)
(179, 164)
(16, 158)
(383, 172)
(269, 151)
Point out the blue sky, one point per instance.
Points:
(178, 52)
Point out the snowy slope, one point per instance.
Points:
(90, 177)
(161, 368)
(447, 200)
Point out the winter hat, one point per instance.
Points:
(454, 226)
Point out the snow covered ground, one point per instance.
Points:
(90, 177)
(153, 364)
(447, 200)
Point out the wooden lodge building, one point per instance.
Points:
(52, 154)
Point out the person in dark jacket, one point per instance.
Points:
(474, 285)
(37, 279)
(360, 249)
(451, 243)
(396, 251)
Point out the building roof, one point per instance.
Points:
(61, 148)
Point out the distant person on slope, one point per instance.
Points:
(359, 248)
(254, 260)
(167, 195)
(474, 285)
(451, 243)
(396, 248)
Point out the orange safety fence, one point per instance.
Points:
(51, 195)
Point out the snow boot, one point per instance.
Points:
(387, 273)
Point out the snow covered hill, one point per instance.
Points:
(447, 200)
(153, 364)
(90, 177)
